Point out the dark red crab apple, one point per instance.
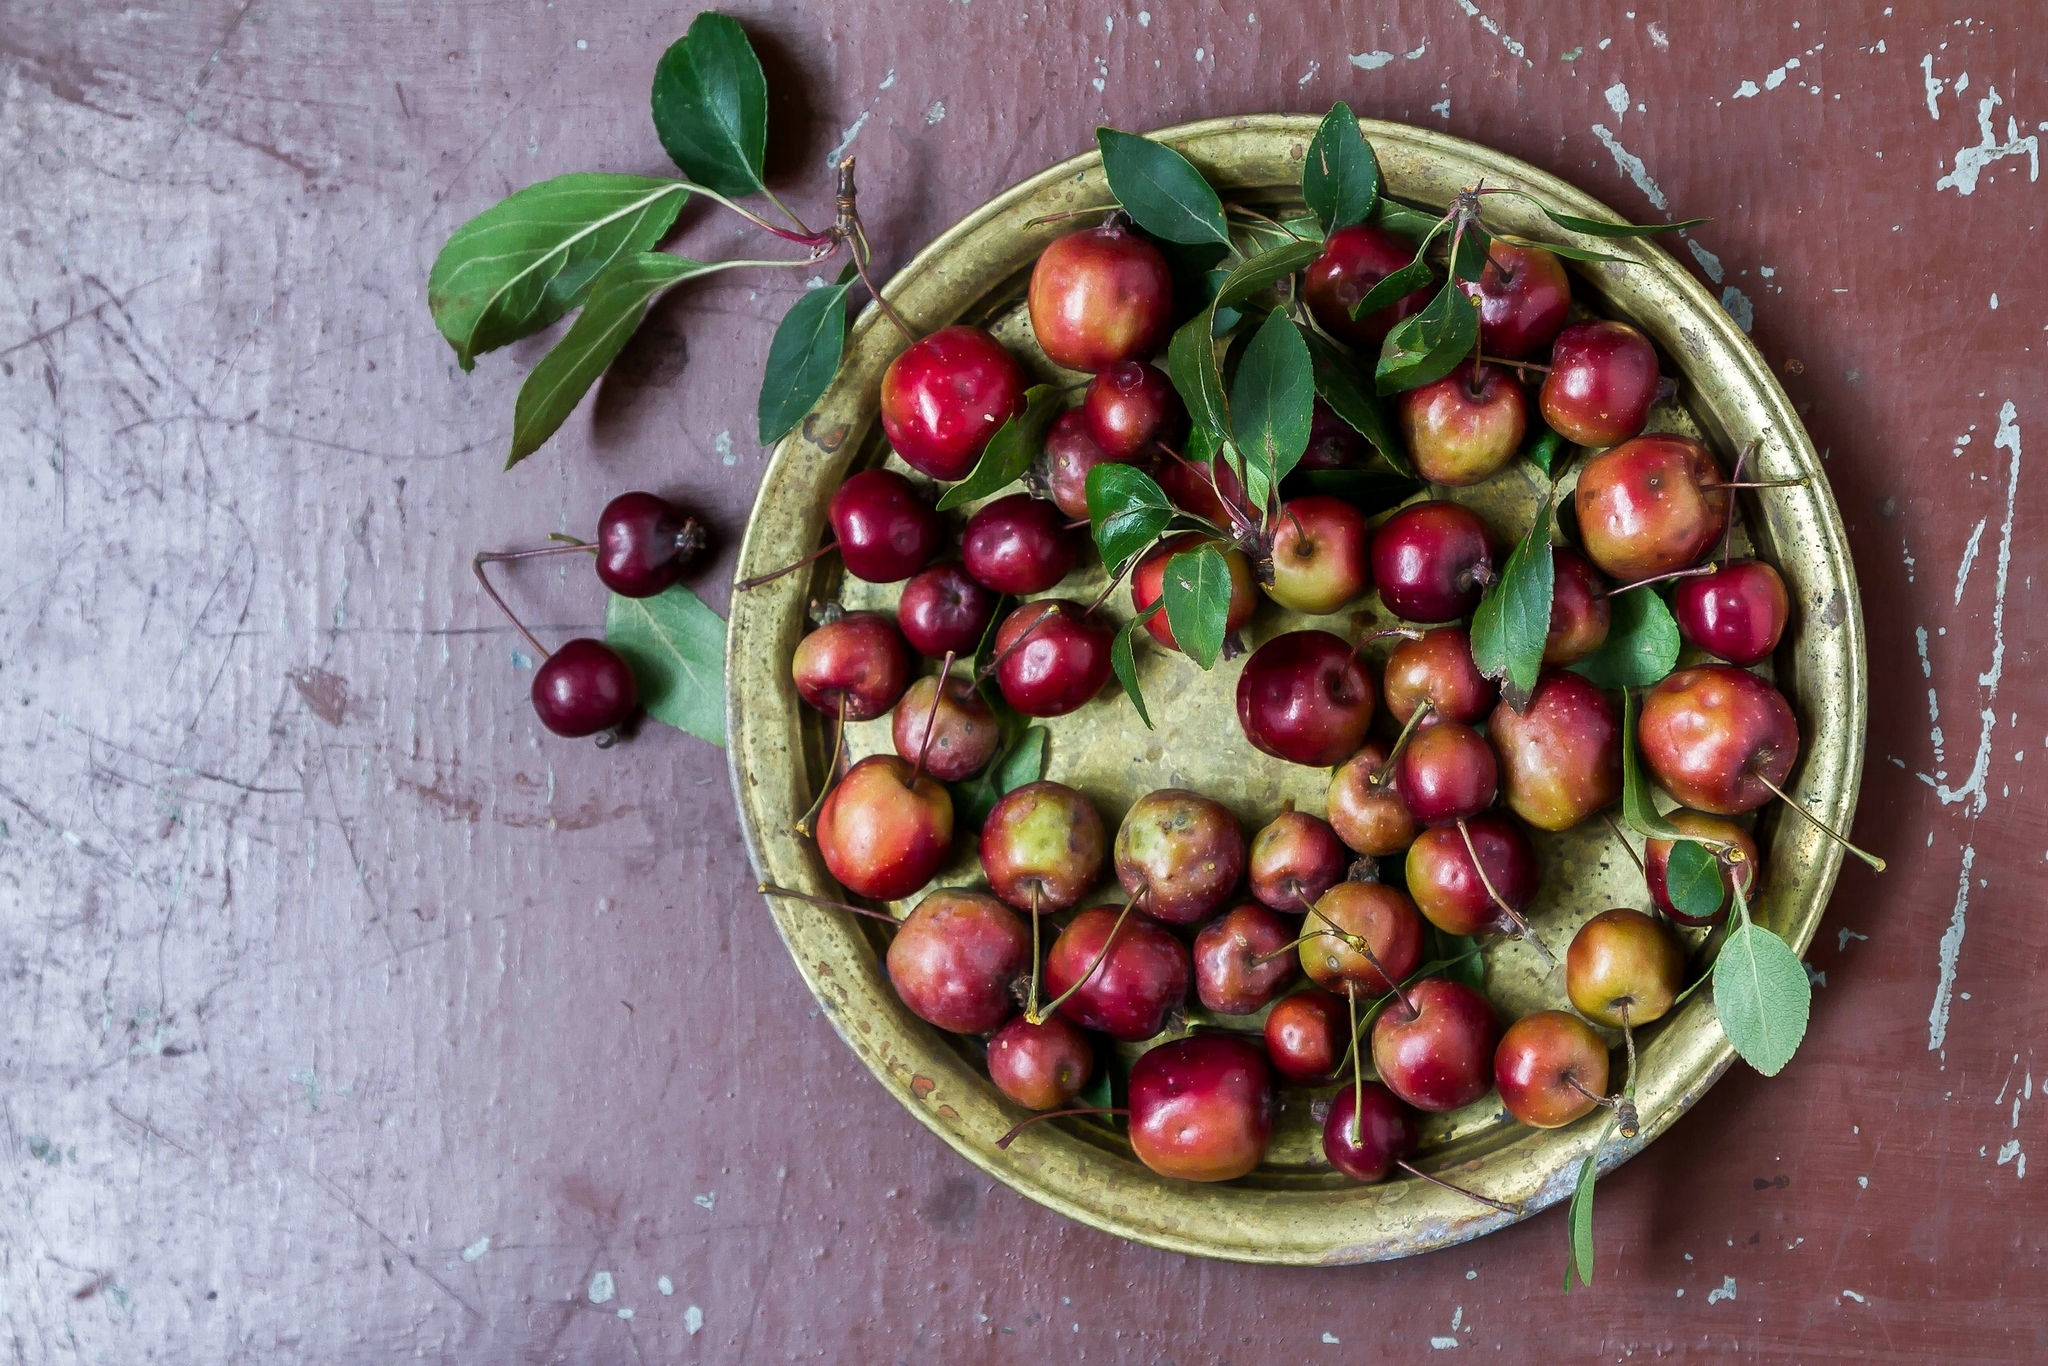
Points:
(1061, 472)
(1138, 979)
(1437, 667)
(1551, 1069)
(1369, 816)
(1306, 698)
(1657, 858)
(1043, 845)
(1294, 859)
(1306, 1035)
(1446, 884)
(1051, 669)
(1019, 545)
(1129, 407)
(1466, 427)
(1560, 757)
(957, 960)
(1432, 561)
(1202, 1108)
(1718, 738)
(1178, 855)
(1524, 299)
(1355, 259)
(882, 837)
(1447, 773)
(1240, 959)
(1100, 296)
(859, 660)
(1737, 612)
(1650, 506)
(944, 609)
(1148, 583)
(1319, 558)
(1603, 379)
(1623, 968)
(964, 732)
(1383, 1136)
(1202, 488)
(884, 527)
(1040, 1066)
(1333, 443)
(644, 544)
(1434, 1047)
(945, 395)
(1381, 916)
(1580, 613)
(584, 688)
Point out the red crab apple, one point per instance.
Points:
(1019, 545)
(1040, 1066)
(1178, 855)
(1650, 506)
(1319, 558)
(1737, 612)
(1100, 296)
(1241, 961)
(1447, 885)
(1580, 613)
(1551, 1069)
(1436, 666)
(1202, 1108)
(584, 688)
(1432, 561)
(1333, 443)
(1367, 814)
(945, 395)
(1051, 669)
(1362, 935)
(857, 660)
(1560, 756)
(964, 732)
(1043, 847)
(957, 960)
(1148, 582)
(1433, 1045)
(1061, 472)
(1306, 1035)
(1718, 738)
(1304, 697)
(885, 528)
(1129, 407)
(944, 609)
(1657, 858)
(1447, 773)
(644, 543)
(1466, 427)
(1603, 379)
(1355, 259)
(1623, 969)
(1126, 986)
(882, 837)
(1524, 299)
(1294, 859)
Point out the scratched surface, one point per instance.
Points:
(346, 1016)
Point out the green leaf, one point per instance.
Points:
(1161, 189)
(675, 646)
(1196, 591)
(1414, 224)
(618, 301)
(1469, 260)
(1456, 956)
(711, 106)
(1251, 236)
(1096, 1094)
(1197, 375)
(1392, 288)
(1258, 272)
(1593, 227)
(1513, 620)
(1424, 348)
(1692, 880)
(1579, 1217)
(1638, 809)
(803, 358)
(1641, 645)
(1569, 253)
(1124, 660)
(1272, 400)
(1026, 762)
(1340, 177)
(1763, 995)
(1542, 452)
(1370, 490)
(1010, 451)
(530, 258)
(1127, 510)
(1337, 384)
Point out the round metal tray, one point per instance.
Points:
(1293, 1209)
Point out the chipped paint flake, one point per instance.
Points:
(838, 154)
(2010, 1152)
(1371, 61)
(1726, 1292)
(1631, 166)
(1852, 1295)
(1440, 1343)
(477, 1249)
(1709, 262)
(1747, 90)
(722, 443)
(1739, 307)
(1933, 84)
(1969, 558)
(602, 1288)
(1971, 161)
(1951, 951)
(935, 114)
(665, 1285)
(1472, 11)
(1616, 96)
(1310, 74)
(693, 1320)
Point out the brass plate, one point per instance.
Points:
(1293, 1210)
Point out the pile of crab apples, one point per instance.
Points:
(1305, 965)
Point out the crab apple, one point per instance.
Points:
(1603, 379)
(1657, 858)
(1148, 582)
(1178, 855)
(1043, 847)
(1436, 666)
(945, 395)
(1100, 296)
(1432, 561)
(1019, 545)
(1333, 443)
(1355, 259)
(1580, 614)
(1433, 1047)
(963, 730)
(583, 688)
(1368, 1132)
(1650, 506)
(1241, 961)
(1447, 773)
(1319, 558)
(1305, 697)
(1040, 1066)
(644, 544)
(1295, 859)
(1560, 756)
(1737, 612)
(1551, 1069)
(1135, 986)
(1131, 406)
(1306, 1035)
(1524, 298)
(1718, 738)
(1202, 1108)
(1209, 489)
(882, 837)
(885, 529)
(944, 609)
(1057, 666)
(1446, 884)
(1380, 915)
(858, 660)
(1623, 967)
(1061, 470)
(1466, 427)
(958, 959)
(1369, 816)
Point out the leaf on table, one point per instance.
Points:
(1123, 659)
(1161, 189)
(675, 646)
(531, 257)
(1579, 1218)
(1692, 880)
(1338, 384)
(1513, 620)
(802, 359)
(1010, 451)
(1340, 176)
(1638, 808)
(617, 303)
(711, 106)
(1272, 402)
(1641, 646)
(1025, 762)
(1763, 995)
(1127, 511)
(1196, 590)
(1427, 346)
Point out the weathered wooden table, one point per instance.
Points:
(348, 1017)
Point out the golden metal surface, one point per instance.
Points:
(1294, 1209)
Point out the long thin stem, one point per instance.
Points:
(803, 822)
(1422, 709)
(805, 236)
(1357, 1068)
(931, 722)
(1634, 857)
(1728, 527)
(771, 576)
(1240, 518)
(1022, 1125)
(1873, 860)
(1107, 945)
(1624, 1112)
(770, 889)
(484, 557)
(996, 661)
(1694, 572)
(1414, 1170)
(1522, 926)
(1031, 999)
(862, 254)
(788, 213)
(1765, 484)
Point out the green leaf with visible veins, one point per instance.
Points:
(1128, 511)
(1692, 880)
(1391, 289)
(675, 646)
(1513, 620)
(711, 106)
(1010, 451)
(1196, 590)
(1638, 808)
(530, 258)
(1641, 645)
(1161, 189)
(1272, 401)
(1025, 763)
(1763, 995)
(618, 301)
(1337, 384)
(1579, 1217)
(1340, 176)
(1414, 224)
(802, 359)
(1193, 365)
(1424, 348)
(1569, 253)
(1124, 660)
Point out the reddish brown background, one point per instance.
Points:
(322, 964)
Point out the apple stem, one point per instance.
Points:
(484, 557)
(820, 553)
(1624, 1111)
(1405, 632)
(847, 228)
(1528, 935)
(1873, 860)
(803, 822)
(1386, 773)
(1500, 1205)
(1507, 364)
(1694, 572)
(1107, 945)
(1633, 856)
(1022, 1125)
(1240, 518)
(1766, 484)
(770, 889)
(1031, 999)
(1061, 217)
(1357, 1067)
(931, 721)
(1728, 530)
